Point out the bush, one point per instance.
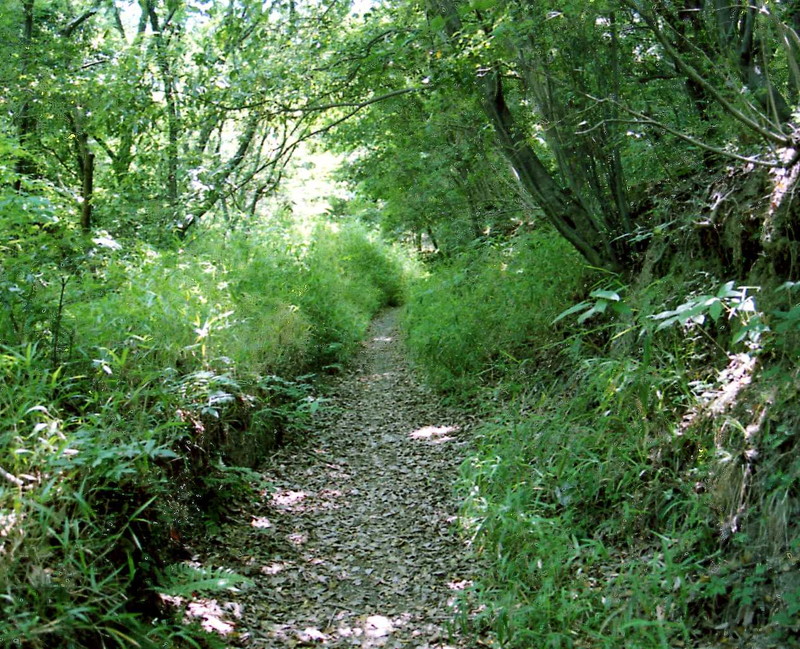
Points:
(634, 483)
(484, 313)
(642, 498)
(350, 275)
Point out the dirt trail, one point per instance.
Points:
(355, 547)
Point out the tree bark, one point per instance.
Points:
(571, 217)
(221, 176)
(85, 164)
(568, 215)
(87, 190)
(173, 118)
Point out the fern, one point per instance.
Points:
(181, 580)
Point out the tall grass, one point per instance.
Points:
(135, 380)
(632, 486)
(485, 312)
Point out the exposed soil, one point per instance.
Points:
(356, 544)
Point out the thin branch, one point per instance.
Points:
(319, 107)
(91, 64)
(286, 148)
(693, 74)
(656, 77)
(366, 49)
(285, 153)
(104, 145)
(77, 22)
(358, 105)
(644, 120)
(324, 129)
(118, 21)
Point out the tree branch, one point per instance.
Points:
(644, 120)
(320, 107)
(358, 105)
(695, 76)
(77, 22)
(287, 147)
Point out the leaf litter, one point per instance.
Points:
(356, 544)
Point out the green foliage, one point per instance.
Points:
(140, 377)
(77, 504)
(606, 492)
(490, 311)
(180, 580)
(349, 278)
(600, 525)
(568, 498)
(138, 382)
(603, 299)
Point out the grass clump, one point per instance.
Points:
(351, 275)
(482, 314)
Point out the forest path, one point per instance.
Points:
(355, 547)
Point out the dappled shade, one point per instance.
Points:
(352, 545)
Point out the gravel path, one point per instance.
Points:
(355, 546)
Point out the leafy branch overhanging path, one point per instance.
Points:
(356, 546)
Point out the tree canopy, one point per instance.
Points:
(492, 111)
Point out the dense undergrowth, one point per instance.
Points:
(139, 385)
(482, 313)
(637, 481)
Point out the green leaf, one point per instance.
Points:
(599, 307)
(181, 579)
(787, 320)
(581, 306)
(482, 5)
(667, 323)
(715, 310)
(620, 308)
(788, 286)
(436, 24)
(727, 290)
(663, 315)
(606, 295)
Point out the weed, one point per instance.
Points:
(139, 382)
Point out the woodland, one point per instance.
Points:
(583, 216)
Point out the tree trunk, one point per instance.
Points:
(753, 70)
(791, 45)
(572, 219)
(85, 164)
(173, 118)
(218, 180)
(87, 189)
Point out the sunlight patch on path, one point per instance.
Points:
(435, 434)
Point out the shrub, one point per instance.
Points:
(643, 498)
(481, 314)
